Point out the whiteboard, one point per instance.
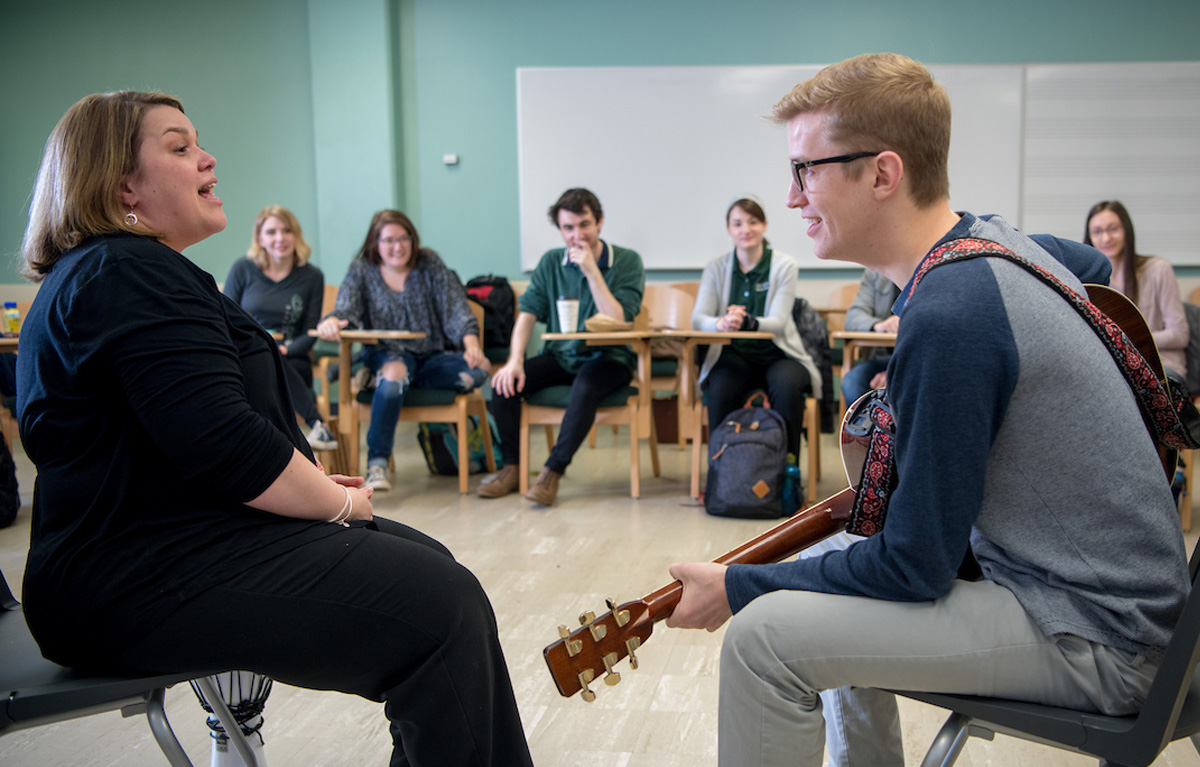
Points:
(667, 149)
(1116, 131)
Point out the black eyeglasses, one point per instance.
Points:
(799, 168)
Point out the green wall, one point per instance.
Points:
(241, 70)
(336, 108)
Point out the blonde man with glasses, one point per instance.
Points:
(998, 456)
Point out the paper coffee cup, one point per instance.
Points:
(568, 314)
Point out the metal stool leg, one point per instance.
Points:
(232, 730)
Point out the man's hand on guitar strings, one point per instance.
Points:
(704, 604)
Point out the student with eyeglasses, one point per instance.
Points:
(1147, 281)
(1008, 438)
(395, 283)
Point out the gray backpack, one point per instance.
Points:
(747, 460)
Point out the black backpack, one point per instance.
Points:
(496, 297)
(747, 462)
(816, 341)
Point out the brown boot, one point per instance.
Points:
(502, 482)
(545, 489)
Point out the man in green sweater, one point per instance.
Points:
(605, 279)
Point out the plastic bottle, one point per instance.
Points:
(12, 319)
(792, 489)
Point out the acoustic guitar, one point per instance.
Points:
(592, 651)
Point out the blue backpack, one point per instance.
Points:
(747, 464)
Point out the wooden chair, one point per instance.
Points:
(324, 354)
(431, 406)
(839, 302)
(668, 306)
(1188, 457)
(691, 288)
(627, 406)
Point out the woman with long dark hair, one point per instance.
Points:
(1147, 281)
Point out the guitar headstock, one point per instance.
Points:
(591, 651)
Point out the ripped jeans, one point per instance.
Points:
(444, 370)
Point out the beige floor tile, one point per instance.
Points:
(541, 567)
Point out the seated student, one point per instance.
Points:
(753, 287)
(393, 282)
(180, 522)
(277, 286)
(606, 279)
(1147, 281)
(1061, 616)
(871, 312)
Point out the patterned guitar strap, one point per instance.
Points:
(1167, 410)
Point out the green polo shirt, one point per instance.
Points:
(749, 289)
(626, 279)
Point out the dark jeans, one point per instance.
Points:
(594, 381)
(734, 377)
(858, 381)
(386, 614)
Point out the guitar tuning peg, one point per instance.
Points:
(611, 677)
(589, 619)
(620, 616)
(573, 646)
(585, 677)
(631, 644)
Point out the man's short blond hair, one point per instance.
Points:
(878, 102)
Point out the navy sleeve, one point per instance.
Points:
(949, 383)
(1088, 264)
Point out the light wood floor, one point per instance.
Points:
(541, 567)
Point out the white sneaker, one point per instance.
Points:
(320, 438)
(377, 478)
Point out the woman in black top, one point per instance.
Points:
(277, 286)
(180, 522)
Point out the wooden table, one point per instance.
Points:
(8, 343)
(688, 378)
(852, 341)
(640, 341)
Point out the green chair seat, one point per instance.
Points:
(560, 396)
(416, 397)
(663, 367)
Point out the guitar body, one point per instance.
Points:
(590, 652)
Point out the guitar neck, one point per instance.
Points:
(786, 539)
